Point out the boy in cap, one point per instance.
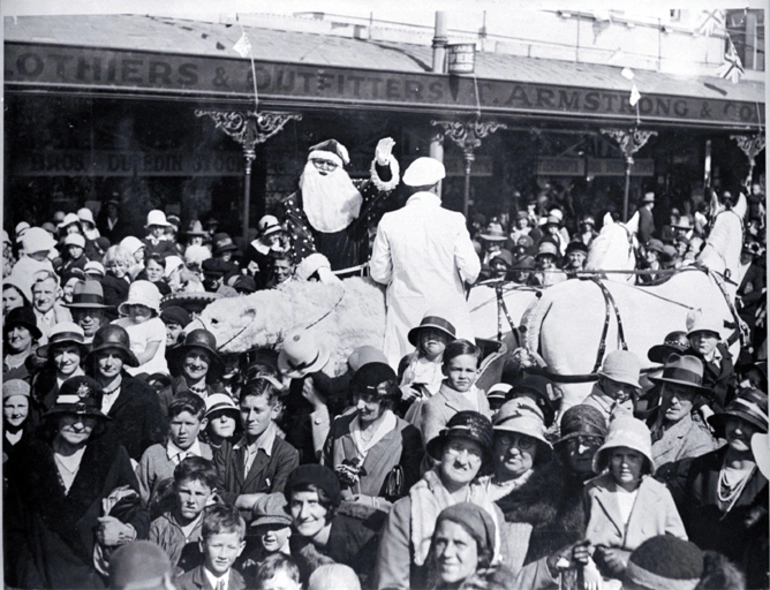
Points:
(330, 212)
(704, 327)
(618, 385)
(424, 254)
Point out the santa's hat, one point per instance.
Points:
(338, 152)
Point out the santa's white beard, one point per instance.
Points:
(330, 202)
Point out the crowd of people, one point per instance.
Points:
(138, 455)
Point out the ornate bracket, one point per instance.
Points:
(630, 141)
(250, 128)
(467, 135)
(750, 145)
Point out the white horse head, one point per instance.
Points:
(613, 248)
(722, 251)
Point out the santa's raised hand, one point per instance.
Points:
(383, 150)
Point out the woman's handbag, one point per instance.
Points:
(395, 486)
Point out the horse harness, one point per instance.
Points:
(609, 302)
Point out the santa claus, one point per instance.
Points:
(331, 213)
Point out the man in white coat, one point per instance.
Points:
(424, 254)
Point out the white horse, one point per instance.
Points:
(612, 249)
(565, 325)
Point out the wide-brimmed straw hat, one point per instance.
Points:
(629, 432)
(432, 320)
(683, 370)
(199, 339)
(301, 354)
(64, 333)
(750, 404)
(523, 416)
(674, 342)
(466, 425)
(622, 366)
(79, 395)
(113, 337)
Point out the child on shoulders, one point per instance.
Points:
(140, 316)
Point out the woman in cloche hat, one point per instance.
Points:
(461, 452)
(723, 495)
(55, 522)
(642, 506)
(132, 405)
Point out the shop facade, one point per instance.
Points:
(86, 122)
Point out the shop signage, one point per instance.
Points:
(596, 167)
(92, 69)
(127, 163)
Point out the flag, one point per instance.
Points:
(732, 67)
(243, 46)
(714, 19)
(635, 96)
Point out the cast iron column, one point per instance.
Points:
(630, 142)
(467, 135)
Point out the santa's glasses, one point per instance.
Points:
(326, 165)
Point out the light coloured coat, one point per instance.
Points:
(654, 513)
(438, 410)
(423, 253)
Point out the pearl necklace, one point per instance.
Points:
(732, 490)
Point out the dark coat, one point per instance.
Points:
(50, 535)
(196, 580)
(345, 248)
(750, 293)
(353, 541)
(646, 225)
(115, 292)
(266, 475)
(137, 417)
(551, 500)
(741, 534)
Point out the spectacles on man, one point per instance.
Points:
(326, 165)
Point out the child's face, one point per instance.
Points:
(460, 372)
(117, 268)
(157, 231)
(138, 313)
(280, 581)
(15, 409)
(184, 428)
(75, 252)
(433, 342)
(220, 552)
(274, 536)
(192, 495)
(704, 342)
(257, 413)
(154, 270)
(626, 466)
(222, 424)
(616, 390)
